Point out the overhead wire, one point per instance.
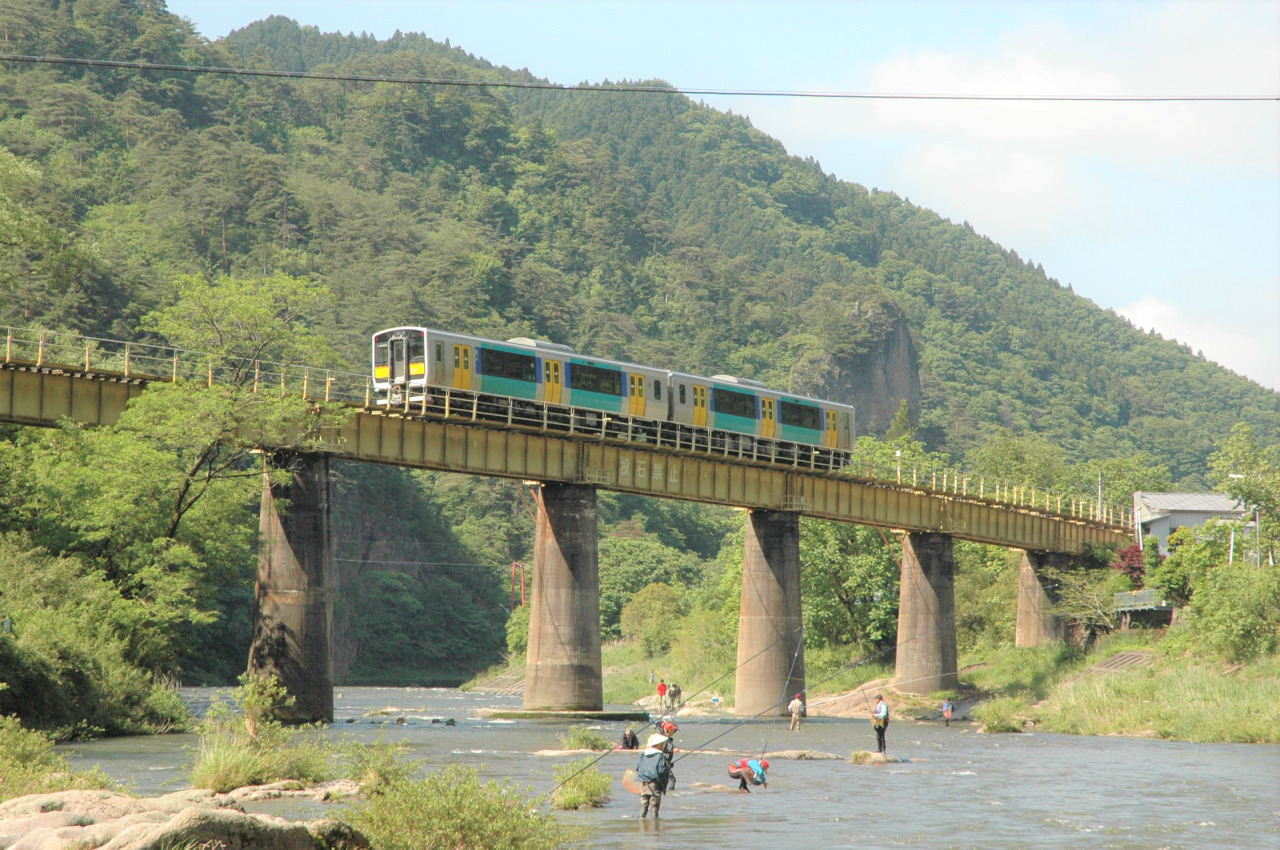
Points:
(631, 88)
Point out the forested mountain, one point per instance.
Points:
(639, 226)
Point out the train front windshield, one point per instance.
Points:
(399, 358)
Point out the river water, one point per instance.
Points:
(959, 789)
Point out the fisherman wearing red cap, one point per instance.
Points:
(749, 770)
(796, 707)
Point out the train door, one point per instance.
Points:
(552, 381)
(699, 406)
(830, 438)
(462, 367)
(768, 418)
(635, 392)
(399, 361)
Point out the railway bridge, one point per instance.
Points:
(46, 376)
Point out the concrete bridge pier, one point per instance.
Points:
(926, 655)
(562, 667)
(770, 633)
(293, 606)
(1037, 624)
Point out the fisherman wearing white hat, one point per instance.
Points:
(654, 770)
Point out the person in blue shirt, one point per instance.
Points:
(946, 711)
(749, 770)
(880, 720)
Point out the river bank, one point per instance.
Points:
(1052, 689)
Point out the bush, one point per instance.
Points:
(251, 747)
(1002, 714)
(1235, 611)
(30, 765)
(67, 662)
(583, 738)
(580, 783)
(452, 808)
(375, 766)
(518, 631)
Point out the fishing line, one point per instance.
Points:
(786, 688)
(657, 723)
(838, 672)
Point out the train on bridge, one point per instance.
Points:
(550, 386)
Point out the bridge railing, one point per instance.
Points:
(74, 353)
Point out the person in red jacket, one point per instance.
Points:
(662, 694)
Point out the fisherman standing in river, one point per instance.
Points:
(880, 721)
(654, 770)
(796, 707)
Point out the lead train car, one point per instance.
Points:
(412, 360)
(408, 362)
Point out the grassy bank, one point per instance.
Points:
(1178, 698)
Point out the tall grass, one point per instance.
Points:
(584, 738)
(1029, 673)
(452, 808)
(1182, 701)
(580, 783)
(243, 744)
(30, 765)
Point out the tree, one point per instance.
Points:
(649, 617)
(629, 563)
(1250, 473)
(849, 584)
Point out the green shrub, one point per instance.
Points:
(583, 738)
(67, 662)
(452, 808)
(30, 765)
(376, 765)
(1002, 714)
(518, 631)
(249, 746)
(580, 783)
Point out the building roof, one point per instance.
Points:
(1153, 504)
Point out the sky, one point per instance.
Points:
(1167, 213)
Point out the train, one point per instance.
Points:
(531, 382)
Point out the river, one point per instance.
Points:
(960, 789)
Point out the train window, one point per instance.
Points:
(733, 403)
(510, 364)
(800, 415)
(657, 390)
(439, 352)
(417, 348)
(381, 353)
(457, 357)
(595, 379)
(682, 394)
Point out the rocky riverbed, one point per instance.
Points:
(109, 820)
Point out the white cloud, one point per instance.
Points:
(1247, 346)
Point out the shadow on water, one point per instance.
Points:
(959, 789)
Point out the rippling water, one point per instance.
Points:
(959, 790)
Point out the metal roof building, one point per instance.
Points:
(1159, 514)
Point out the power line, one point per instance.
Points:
(635, 89)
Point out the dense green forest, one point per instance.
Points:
(640, 226)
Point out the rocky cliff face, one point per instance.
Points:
(882, 377)
(874, 367)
